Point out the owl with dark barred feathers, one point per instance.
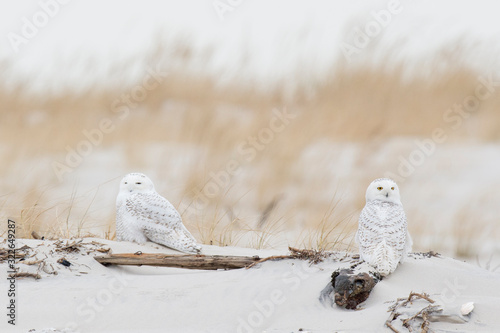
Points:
(382, 236)
(142, 214)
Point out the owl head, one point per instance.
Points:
(136, 183)
(383, 189)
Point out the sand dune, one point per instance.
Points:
(275, 296)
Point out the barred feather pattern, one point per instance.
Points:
(382, 235)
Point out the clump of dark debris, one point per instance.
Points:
(78, 245)
(313, 256)
(422, 255)
(50, 257)
(20, 253)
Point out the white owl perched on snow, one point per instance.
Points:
(142, 214)
(383, 237)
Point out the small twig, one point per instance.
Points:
(417, 295)
(269, 258)
(33, 262)
(389, 321)
(396, 304)
(19, 253)
(424, 313)
(75, 243)
(425, 324)
(424, 296)
(25, 274)
(313, 256)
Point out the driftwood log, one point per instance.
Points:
(348, 289)
(207, 262)
(200, 261)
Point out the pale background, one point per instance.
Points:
(203, 84)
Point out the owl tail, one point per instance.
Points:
(384, 259)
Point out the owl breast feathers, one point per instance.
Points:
(382, 235)
(142, 214)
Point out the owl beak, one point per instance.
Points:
(387, 195)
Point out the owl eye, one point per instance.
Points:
(380, 188)
(126, 183)
(392, 188)
(138, 183)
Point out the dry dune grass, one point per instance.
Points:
(351, 104)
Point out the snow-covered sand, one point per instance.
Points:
(275, 296)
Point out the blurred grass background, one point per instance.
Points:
(304, 188)
(358, 105)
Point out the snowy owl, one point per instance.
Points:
(382, 235)
(142, 214)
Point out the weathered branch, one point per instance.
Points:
(212, 262)
(389, 325)
(417, 295)
(25, 274)
(268, 258)
(423, 313)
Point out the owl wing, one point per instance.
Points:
(161, 223)
(365, 235)
(408, 246)
(399, 236)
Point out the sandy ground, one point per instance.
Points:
(275, 296)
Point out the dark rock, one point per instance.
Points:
(348, 289)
